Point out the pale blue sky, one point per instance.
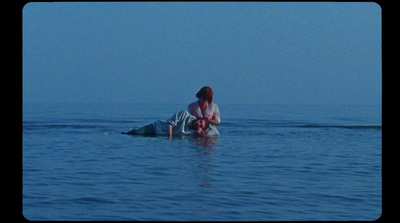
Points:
(248, 52)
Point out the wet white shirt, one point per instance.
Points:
(179, 121)
(211, 111)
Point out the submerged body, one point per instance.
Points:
(181, 123)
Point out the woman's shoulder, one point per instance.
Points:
(214, 105)
(214, 108)
(193, 105)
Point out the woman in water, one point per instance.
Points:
(205, 108)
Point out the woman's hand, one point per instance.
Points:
(215, 122)
(209, 119)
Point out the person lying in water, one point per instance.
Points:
(180, 123)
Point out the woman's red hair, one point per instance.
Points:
(205, 92)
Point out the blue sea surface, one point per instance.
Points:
(271, 162)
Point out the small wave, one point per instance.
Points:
(90, 200)
(68, 128)
(340, 126)
(289, 123)
(83, 200)
(59, 126)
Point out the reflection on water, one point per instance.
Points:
(206, 142)
(205, 160)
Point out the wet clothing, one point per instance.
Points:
(179, 121)
(212, 111)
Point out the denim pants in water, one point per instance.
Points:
(144, 130)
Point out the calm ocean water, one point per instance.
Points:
(271, 162)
